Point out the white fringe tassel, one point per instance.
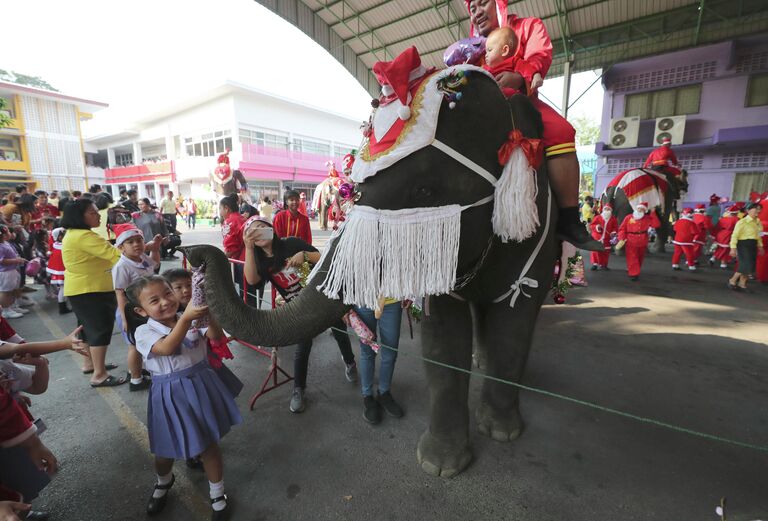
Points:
(394, 253)
(515, 216)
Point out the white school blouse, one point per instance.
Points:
(191, 351)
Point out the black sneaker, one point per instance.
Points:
(139, 387)
(371, 410)
(195, 463)
(390, 405)
(593, 267)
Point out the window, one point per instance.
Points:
(667, 102)
(757, 90)
(209, 144)
(124, 159)
(314, 147)
(10, 148)
(265, 139)
(746, 182)
(342, 150)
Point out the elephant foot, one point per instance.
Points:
(504, 425)
(442, 459)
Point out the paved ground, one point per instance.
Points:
(675, 346)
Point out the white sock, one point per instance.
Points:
(217, 490)
(162, 480)
(137, 381)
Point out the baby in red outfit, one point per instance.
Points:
(501, 56)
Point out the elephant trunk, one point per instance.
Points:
(304, 317)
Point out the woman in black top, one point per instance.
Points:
(268, 257)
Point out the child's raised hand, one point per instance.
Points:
(194, 312)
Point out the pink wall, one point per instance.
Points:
(261, 162)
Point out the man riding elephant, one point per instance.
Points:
(662, 159)
(535, 49)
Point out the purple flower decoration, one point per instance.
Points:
(346, 191)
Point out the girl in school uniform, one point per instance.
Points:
(189, 408)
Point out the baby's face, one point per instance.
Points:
(495, 51)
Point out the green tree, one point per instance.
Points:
(25, 79)
(587, 130)
(5, 119)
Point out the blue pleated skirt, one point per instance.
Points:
(187, 411)
(229, 379)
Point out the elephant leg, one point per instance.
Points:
(506, 339)
(443, 449)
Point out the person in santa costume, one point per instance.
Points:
(704, 224)
(761, 270)
(722, 233)
(604, 228)
(663, 159)
(534, 57)
(686, 231)
(633, 233)
(501, 56)
(55, 269)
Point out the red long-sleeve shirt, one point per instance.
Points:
(232, 229)
(288, 225)
(661, 156)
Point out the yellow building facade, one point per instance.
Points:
(43, 145)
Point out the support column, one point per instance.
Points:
(566, 88)
(137, 153)
(111, 157)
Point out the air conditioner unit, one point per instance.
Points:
(624, 132)
(672, 127)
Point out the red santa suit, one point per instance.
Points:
(513, 64)
(685, 232)
(55, 266)
(635, 233)
(722, 232)
(663, 157)
(288, 225)
(534, 55)
(602, 232)
(704, 223)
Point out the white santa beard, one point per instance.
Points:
(394, 253)
(638, 214)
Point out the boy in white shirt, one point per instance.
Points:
(133, 264)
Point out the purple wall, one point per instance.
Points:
(724, 138)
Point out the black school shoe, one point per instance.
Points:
(157, 504)
(371, 410)
(220, 515)
(390, 405)
(139, 387)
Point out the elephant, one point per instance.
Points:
(675, 188)
(500, 285)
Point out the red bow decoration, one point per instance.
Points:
(530, 147)
(219, 350)
(756, 197)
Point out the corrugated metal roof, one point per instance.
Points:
(591, 33)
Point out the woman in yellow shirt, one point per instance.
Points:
(88, 260)
(745, 244)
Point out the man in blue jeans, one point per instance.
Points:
(388, 321)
